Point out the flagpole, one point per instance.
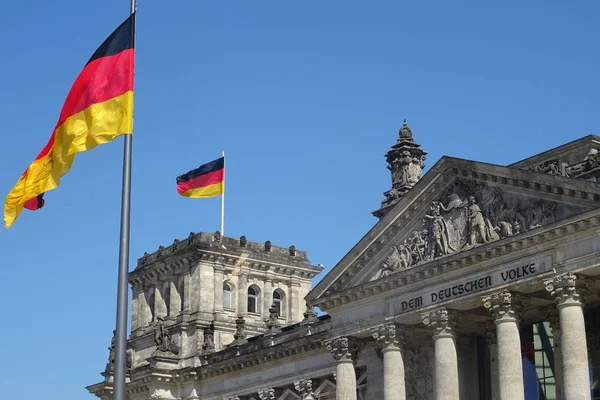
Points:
(120, 366)
(223, 200)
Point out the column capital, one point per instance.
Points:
(345, 348)
(390, 336)
(568, 289)
(266, 394)
(304, 387)
(505, 306)
(488, 329)
(442, 321)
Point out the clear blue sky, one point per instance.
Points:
(304, 96)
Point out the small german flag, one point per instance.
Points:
(98, 108)
(208, 180)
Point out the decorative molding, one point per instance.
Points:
(569, 289)
(345, 348)
(505, 306)
(443, 322)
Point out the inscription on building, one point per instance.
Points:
(469, 285)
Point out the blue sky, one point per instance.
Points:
(305, 98)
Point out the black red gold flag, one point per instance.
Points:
(205, 181)
(98, 109)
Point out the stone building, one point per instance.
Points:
(478, 281)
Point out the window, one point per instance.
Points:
(226, 295)
(253, 299)
(278, 296)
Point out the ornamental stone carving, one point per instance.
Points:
(390, 335)
(267, 394)
(406, 161)
(209, 342)
(162, 338)
(569, 288)
(345, 348)
(240, 331)
(442, 321)
(310, 315)
(272, 323)
(304, 387)
(469, 214)
(551, 167)
(505, 305)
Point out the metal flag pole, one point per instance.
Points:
(122, 292)
(223, 200)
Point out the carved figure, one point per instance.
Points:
(439, 231)
(217, 236)
(292, 250)
(209, 343)
(243, 241)
(268, 246)
(477, 225)
(162, 338)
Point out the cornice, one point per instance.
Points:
(462, 260)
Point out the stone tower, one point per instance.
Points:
(208, 292)
(406, 161)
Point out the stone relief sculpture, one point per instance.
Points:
(110, 367)
(474, 214)
(162, 338)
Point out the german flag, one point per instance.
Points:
(98, 108)
(208, 180)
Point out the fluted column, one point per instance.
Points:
(505, 307)
(390, 338)
(345, 352)
(443, 323)
(568, 290)
(553, 319)
(243, 293)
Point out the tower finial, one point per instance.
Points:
(405, 132)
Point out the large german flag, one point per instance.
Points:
(207, 180)
(98, 108)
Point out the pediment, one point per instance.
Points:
(457, 206)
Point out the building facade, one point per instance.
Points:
(478, 281)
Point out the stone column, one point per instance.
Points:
(160, 308)
(186, 298)
(391, 339)
(135, 307)
(488, 329)
(345, 352)
(443, 323)
(243, 293)
(267, 297)
(295, 314)
(218, 287)
(505, 307)
(568, 290)
(553, 319)
(175, 300)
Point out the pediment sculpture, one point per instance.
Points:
(468, 214)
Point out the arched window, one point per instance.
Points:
(253, 299)
(227, 295)
(278, 297)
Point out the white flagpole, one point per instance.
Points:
(223, 200)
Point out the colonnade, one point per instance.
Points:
(565, 317)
